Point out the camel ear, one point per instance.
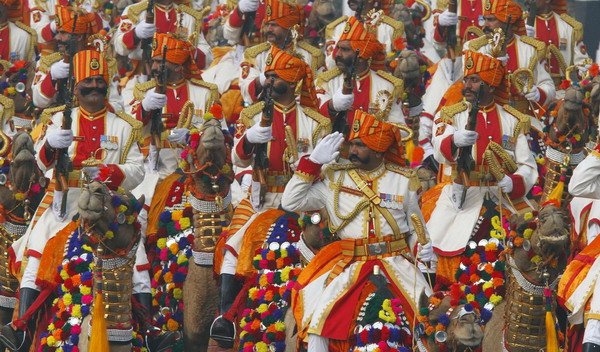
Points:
(423, 300)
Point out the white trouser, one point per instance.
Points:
(229, 263)
(317, 343)
(30, 274)
(592, 332)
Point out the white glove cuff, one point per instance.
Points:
(342, 102)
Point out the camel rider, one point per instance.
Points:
(295, 129)
(17, 41)
(169, 17)
(498, 129)
(51, 68)
(183, 89)
(282, 24)
(372, 89)
(564, 38)
(579, 287)
(369, 202)
(389, 31)
(521, 52)
(95, 132)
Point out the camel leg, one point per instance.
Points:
(291, 333)
(492, 334)
(84, 342)
(200, 296)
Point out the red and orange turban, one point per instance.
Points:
(286, 15)
(503, 9)
(378, 135)
(487, 67)
(293, 70)
(87, 23)
(89, 63)
(179, 52)
(365, 41)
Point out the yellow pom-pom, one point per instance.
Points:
(177, 293)
(161, 243)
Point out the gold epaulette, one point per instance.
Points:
(397, 82)
(8, 108)
(135, 136)
(133, 11)
(214, 90)
(448, 112)
(577, 27)
(540, 48)
(524, 123)
(247, 114)
(330, 28)
(140, 89)
(48, 60)
(198, 23)
(46, 115)
(33, 35)
(318, 58)
(332, 168)
(442, 5)
(478, 43)
(324, 77)
(323, 121)
(252, 52)
(396, 25)
(414, 184)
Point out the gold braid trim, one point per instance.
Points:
(318, 59)
(198, 16)
(332, 168)
(540, 49)
(552, 50)
(577, 27)
(8, 108)
(140, 89)
(395, 81)
(213, 88)
(247, 115)
(427, 6)
(46, 116)
(448, 112)
(134, 11)
(442, 5)
(135, 136)
(32, 34)
(305, 177)
(524, 124)
(49, 60)
(477, 43)
(324, 123)
(396, 25)
(414, 184)
(324, 77)
(252, 52)
(330, 28)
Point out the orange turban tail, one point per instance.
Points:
(292, 70)
(286, 15)
(365, 41)
(89, 63)
(503, 9)
(378, 135)
(488, 68)
(87, 23)
(179, 52)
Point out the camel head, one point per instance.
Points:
(569, 116)
(464, 330)
(109, 217)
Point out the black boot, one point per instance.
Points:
(154, 338)
(223, 330)
(19, 340)
(590, 347)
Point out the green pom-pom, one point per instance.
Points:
(499, 265)
(424, 311)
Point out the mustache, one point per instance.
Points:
(88, 91)
(355, 158)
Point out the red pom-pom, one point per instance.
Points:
(217, 111)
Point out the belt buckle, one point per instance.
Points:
(376, 248)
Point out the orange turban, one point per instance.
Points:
(503, 9)
(488, 68)
(87, 23)
(179, 51)
(89, 63)
(293, 70)
(286, 15)
(365, 41)
(378, 135)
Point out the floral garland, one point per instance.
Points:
(262, 324)
(390, 331)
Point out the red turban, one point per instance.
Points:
(365, 41)
(286, 15)
(179, 51)
(503, 9)
(487, 67)
(378, 135)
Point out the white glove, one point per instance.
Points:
(262, 79)
(178, 135)
(533, 94)
(246, 6)
(341, 101)
(91, 172)
(506, 184)
(326, 150)
(464, 138)
(530, 31)
(59, 139)
(59, 70)
(503, 59)
(154, 101)
(258, 135)
(426, 253)
(447, 18)
(246, 182)
(144, 30)
(53, 27)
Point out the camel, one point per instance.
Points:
(519, 328)
(190, 217)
